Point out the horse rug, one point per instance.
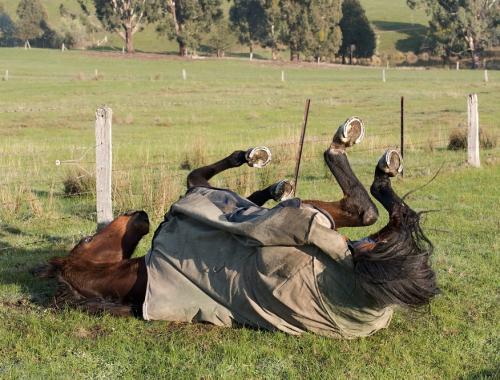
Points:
(219, 258)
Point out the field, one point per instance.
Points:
(164, 124)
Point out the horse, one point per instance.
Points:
(386, 270)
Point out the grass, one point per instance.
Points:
(47, 109)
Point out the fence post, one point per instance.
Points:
(402, 131)
(6, 77)
(473, 131)
(282, 75)
(103, 158)
(184, 75)
(383, 75)
(485, 75)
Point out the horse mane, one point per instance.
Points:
(397, 271)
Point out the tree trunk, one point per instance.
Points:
(294, 55)
(182, 49)
(129, 39)
(476, 59)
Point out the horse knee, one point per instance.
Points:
(370, 216)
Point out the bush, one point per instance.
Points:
(73, 33)
(411, 58)
(458, 139)
(79, 182)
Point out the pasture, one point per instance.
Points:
(163, 125)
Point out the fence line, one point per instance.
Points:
(422, 138)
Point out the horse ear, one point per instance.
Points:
(49, 270)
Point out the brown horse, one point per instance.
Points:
(391, 266)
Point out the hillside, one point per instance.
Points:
(398, 27)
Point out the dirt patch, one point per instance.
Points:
(93, 332)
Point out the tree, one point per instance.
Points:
(32, 22)
(125, 17)
(187, 21)
(358, 37)
(310, 27)
(248, 17)
(296, 31)
(7, 28)
(221, 38)
(325, 16)
(459, 26)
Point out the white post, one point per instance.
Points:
(458, 65)
(473, 131)
(387, 66)
(383, 75)
(103, 158)
(485, 75)
(96, 74)
(251, 55)
(6, 77)
(184, 75)
(123, 49)
(282, 75)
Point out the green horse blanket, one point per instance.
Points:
(219, 258)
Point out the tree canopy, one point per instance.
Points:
(187, 21)
(125, 17)
(358, 37)
(461, 26)
(32, 19)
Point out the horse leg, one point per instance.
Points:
(355, 208)
(257, 157)
(389, 165)
(278, 191)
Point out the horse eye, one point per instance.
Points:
(87, 239)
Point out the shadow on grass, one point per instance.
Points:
(415, 32)
(490, 373)
(16, 263)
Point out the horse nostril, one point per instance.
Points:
(142, 216)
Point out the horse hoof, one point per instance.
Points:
(391, 162)
(350, 133)
(282, 190)
(258, 157)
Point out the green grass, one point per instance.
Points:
(399, 28)
(47, 109)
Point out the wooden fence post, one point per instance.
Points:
(402, 131)
(383, 75)
(282, 75)
(184, 74)
(473, 131)
(6, 76)
(103, 158)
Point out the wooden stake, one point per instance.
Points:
(282, 76)
(301, 145)
(103, 153)
(485, 75)
(473, 131)
(184, 75)
(383, 75)
(402, 130)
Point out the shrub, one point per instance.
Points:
(79, 182)
(458, 139)
(411, 58)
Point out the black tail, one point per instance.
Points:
(397, 270)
